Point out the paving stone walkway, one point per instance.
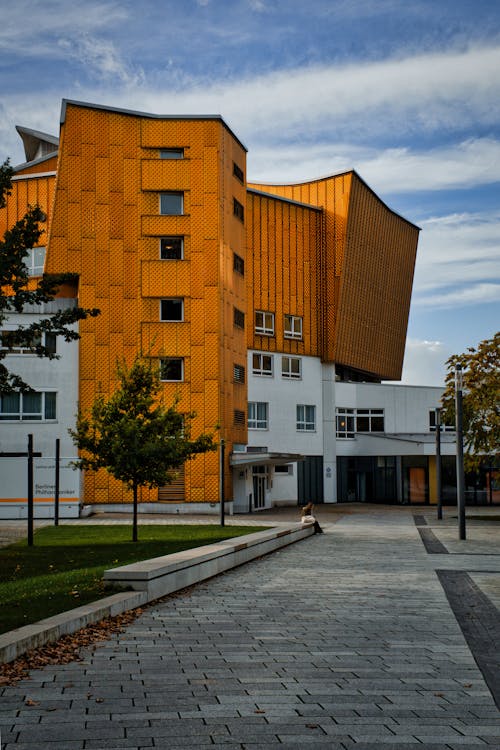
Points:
(345, 640)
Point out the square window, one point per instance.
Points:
(264, 323)
(306, 417)
(172, 369)
(172, 204)
(262, 364)
(258, 415)
(10, 406)
(172, 153)
(291, 367)
(35, 261)
(172, 310)
(293, 327)
(172, 248)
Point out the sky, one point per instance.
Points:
(407, 94)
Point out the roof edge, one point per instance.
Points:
(35, 162)
(137, 113)
(254, 191)
(340, 174)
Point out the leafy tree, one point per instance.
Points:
(134, 436)
(480, 400)
(17, 291)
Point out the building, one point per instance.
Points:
(273, 311)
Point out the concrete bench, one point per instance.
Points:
(150, 579)
(163, 575)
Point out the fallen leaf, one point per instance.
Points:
(31, 702)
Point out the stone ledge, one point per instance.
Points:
(150, 580)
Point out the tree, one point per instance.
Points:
(480, 400)
(134, 437)
(17, 291)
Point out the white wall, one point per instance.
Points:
(42, 374)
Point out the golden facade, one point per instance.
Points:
(328, 253)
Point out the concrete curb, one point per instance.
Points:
(151, 579)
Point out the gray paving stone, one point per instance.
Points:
(350, 633)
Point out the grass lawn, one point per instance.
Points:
(64, 567)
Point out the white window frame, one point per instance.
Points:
(258, 415)
(258, 367)
(35, 254)
(293, 327)
(432, 423)
(23, 414)
(49, 343)
(306, 417)
(172, 320)
(264, 323)
(179, 193)
(172, 359)
(286, 372)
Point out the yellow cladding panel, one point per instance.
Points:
(165, 278)
(163, 226)
(157, 173)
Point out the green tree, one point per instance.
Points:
(480, 400)
(134, 437)
(17, 291)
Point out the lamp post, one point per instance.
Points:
(222, 482)
(438, 465)
(460, 452)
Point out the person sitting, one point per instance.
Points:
(308, 519)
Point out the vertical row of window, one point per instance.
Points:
(258, 416)
(264, 325)
(263, 365)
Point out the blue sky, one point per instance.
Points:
(408, 94)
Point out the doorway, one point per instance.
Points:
(259, 486)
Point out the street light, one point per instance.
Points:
(460, 451)
(438, 465)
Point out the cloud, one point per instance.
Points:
(424, 362)
(102, 58)
(30, 27)
(458, 261)
(467, 164)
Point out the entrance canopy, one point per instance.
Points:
(263, 459)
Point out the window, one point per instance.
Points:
(264, 323)
(172, 153)
(172, 248)
(49, 341)
(239, 374)
(172, 310)
(172, 369)
(432, 423)
(28, 406)
(262, 364)
(306, 417)
(238, 210)
(171, 204)
(293, 327)
(238, 264)
(238, 318)
(238, 172)
(291, 367)
(345, 423)
(284, 469)
(239, 418)
(257, 415)
(350, 421)
(369, 420)
(35, 260)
